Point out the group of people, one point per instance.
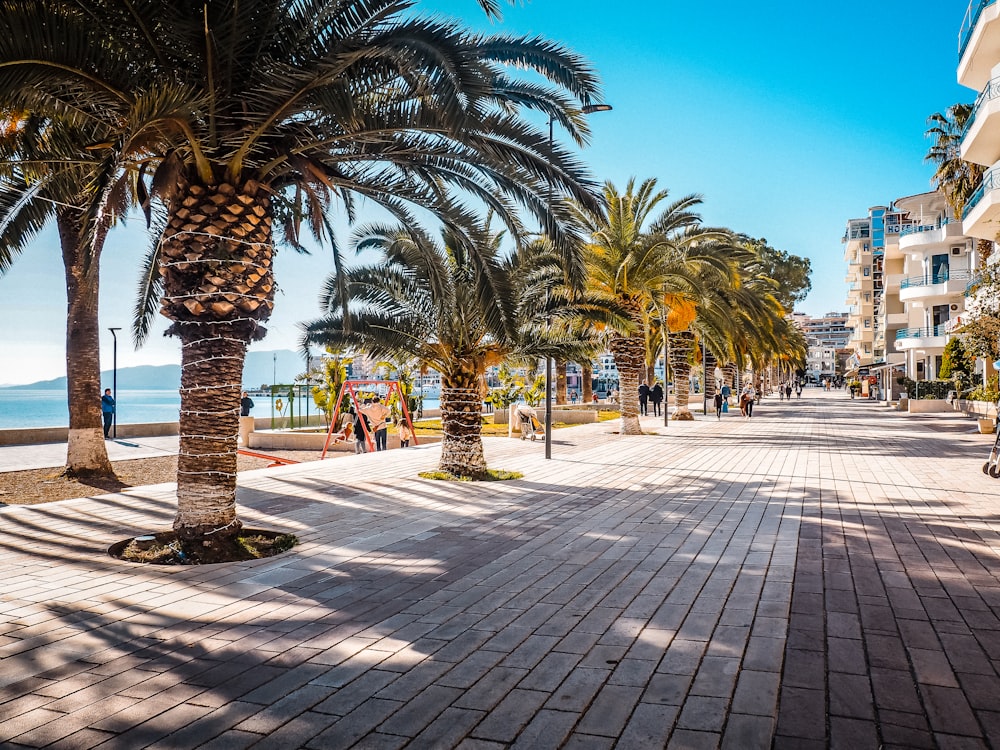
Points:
(785, 390)
(649, 396)
(373, 418)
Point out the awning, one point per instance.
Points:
(895, 360)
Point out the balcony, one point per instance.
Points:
(921, 236)
(978, 43)
(919, 338)
(980, 140)
(981, 217)
(946, 284)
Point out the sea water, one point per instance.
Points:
(47, 407)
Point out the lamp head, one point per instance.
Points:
(591, 108)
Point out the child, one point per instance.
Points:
(405, 435)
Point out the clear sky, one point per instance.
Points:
(789, 118)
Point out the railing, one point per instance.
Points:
(990, 181)
(969, 23)
(917, 228)
(921, 333)
(991, 92)
(938, 278)
(973, 283)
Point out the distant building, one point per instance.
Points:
(826, 339)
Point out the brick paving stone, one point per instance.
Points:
(744, 732)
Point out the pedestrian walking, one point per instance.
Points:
(107, 411)
(643, 399)
(788, 391)
(656, 396)
(718, 405)
(747, 401)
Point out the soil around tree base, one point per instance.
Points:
(164, 548)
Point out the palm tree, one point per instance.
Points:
(458, 306)
(261, 112)
(956, 178)
(45, 174)
(633, 257)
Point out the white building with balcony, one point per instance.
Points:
(938, 262)
(979, 69)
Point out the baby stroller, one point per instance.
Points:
(992, 465)
(530, 426)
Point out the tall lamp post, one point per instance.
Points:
(114, 379)
(587, 109)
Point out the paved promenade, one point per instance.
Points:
(826, 574)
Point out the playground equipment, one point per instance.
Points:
(355, 388)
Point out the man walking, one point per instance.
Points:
(643, 398)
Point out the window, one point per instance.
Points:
(868, 322)
(868, 271)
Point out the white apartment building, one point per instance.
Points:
(826, 338)
(938, 261)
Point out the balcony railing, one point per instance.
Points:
(991, 92)
(990, 180)
(973, 283)
(969, 23)
(937, 278)
(921, 333)
(917, 228)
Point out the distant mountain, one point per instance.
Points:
(259, 369)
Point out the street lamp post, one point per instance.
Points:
(587, 109)
(114, 380)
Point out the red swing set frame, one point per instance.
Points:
(354, 387)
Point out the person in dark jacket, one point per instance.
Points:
(656, 396)
(643, 398)
(246, 404)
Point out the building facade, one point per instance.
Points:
(827, 340)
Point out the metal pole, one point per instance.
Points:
(548, 359)
(666, 378)
(114, 380)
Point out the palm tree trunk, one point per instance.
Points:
(561, 396)
(216, 257)
(630, 359)
(587, 373)
(681, 346)
(461, 422)
(86, 452)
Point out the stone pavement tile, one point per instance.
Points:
(850, 734)
(982, 691)
(510, 716)
(207, 726)
(71, 723)
(447, 730)
(804, 669)
(473, 744)
(756, 694)
(802, 714)
(421, 710)
(949, 712)
(232, 739)
(578, 689)
(82, 740)
(491, 688)
(693, 740)
(895, 690)
(295, 732)
(278, 713)
(850, 696)
(347, 730)
(610, 711)
(716, 677)
(703, 714)
(669, 689)
(649, 726)
(951, 742)
(886, 651)
(25, 722)
(764, 654)
(932, 667)
(683, 656)
(905, 729)
(744, 732)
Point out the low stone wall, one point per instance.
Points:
(976, 408)
(296, 440)
(39, 435)
(585, 414)
(927, 405)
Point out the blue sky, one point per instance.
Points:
(789, 118)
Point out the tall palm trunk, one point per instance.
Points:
(630, 359)
(86, 453)
(709, 378)
(216, 257)
(681, 346)
(587, 373)
(561, 396)
(461, 422)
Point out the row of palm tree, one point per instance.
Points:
(237, 126)
(463, 304)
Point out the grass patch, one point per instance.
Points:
(492, 475)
